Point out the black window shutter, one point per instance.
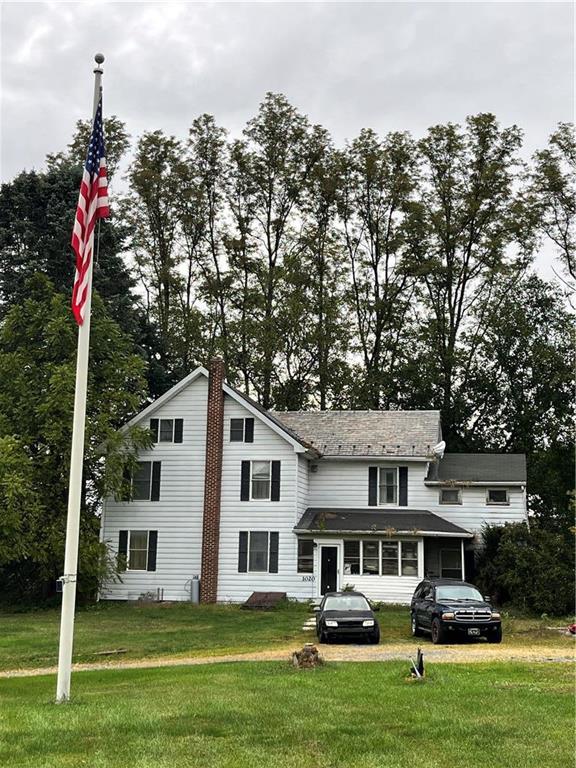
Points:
(275, 489)
(152, 549)
(127, 484)
(273, 562)
(403, 486)
(155, 494)
(245, 482)
(243, 552)
(178, 429)
(248, 430)
(154, 430)
(372, 486)
(122, 550)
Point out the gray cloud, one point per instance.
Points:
(390, 66)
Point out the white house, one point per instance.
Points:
(299, 502)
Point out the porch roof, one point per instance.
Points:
(393, 522)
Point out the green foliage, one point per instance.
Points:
(531, 568)
(37, 376)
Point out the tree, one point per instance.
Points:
(552, 196)
(465, 240)
(37, 375)
(378, 179)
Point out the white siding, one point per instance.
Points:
(178, 515)
(345, 484)
(280, 516)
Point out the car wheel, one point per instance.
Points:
(374, 638)
(495, 637)
(416, 631)
(438, 632)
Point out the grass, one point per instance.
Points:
(178, 629)
(147, 630)
(254, 715)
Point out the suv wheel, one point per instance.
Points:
(495, 637)
(438, 632)
(416, 631)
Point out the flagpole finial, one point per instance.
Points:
(99, 59)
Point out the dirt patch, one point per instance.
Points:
(453, 654)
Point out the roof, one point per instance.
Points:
(479, 468)
(271, 416)
(365, 433)
(392, 521)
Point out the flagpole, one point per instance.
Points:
(68, 580)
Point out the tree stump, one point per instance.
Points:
(307, 658)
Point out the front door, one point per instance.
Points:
(329, 570)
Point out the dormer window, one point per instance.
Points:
(242, 430)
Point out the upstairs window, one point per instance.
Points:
(388, 486)
(166, 430)
(450, 496)
(260, 480)
(145, 482)
(241, 430)
(497, 496)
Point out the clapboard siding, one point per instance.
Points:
(177, 516)
(345, 484)
(236, 515)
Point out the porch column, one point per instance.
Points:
(462, 559)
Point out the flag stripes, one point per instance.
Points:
(92, 205)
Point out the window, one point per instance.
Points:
(141, 481)
(370, 550)
(388, 486)
(145, 481)
(258, 552)
(351, 558)
(450, 496)
(137, 550)
(497, 496)
(166, 430)
(381, 558)
(305, 556)
(389, 558)
(241, 430)
(260, 480)
(450, 564)
(409, 558)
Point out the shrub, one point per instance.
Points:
(530, 568)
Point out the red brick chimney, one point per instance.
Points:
(212, 482)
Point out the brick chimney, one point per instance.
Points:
(212, 482)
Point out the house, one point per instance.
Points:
(299, 502)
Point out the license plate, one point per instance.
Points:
(473, 631)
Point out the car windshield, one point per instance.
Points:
(346, 603)
(457, 592)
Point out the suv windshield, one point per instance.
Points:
(457, 592)
(346, 603)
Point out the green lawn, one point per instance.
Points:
(147, 630)
(151, 630)
(267, 714)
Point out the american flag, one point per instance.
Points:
(92, 205)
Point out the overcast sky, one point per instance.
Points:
(388, 66)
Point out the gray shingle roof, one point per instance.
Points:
(392, 521)
(365, 433)
(480, 468)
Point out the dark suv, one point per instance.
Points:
(447, 609)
